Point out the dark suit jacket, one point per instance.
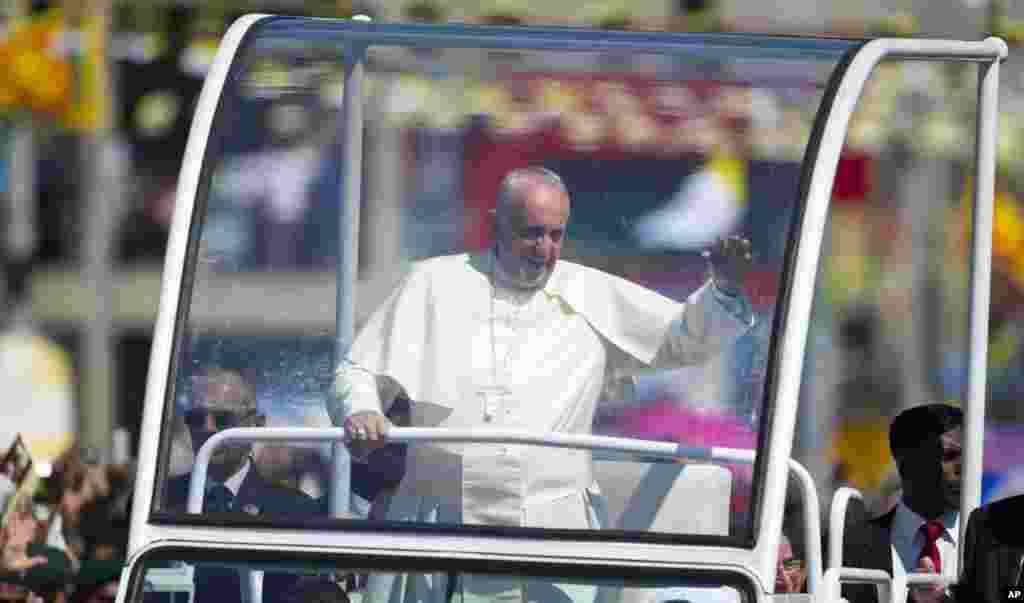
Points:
(866, 544)
(993, 548)
(256, 496)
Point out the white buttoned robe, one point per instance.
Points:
(554, 351)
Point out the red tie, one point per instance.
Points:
(933, 530)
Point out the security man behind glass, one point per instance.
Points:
(221, 400)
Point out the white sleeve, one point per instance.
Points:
(709, 322)
(354, 390)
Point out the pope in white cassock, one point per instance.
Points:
(513, 338)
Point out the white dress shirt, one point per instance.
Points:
(234, 482)
(908, 540)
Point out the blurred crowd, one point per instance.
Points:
(65, 536)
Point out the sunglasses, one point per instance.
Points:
(222, 419)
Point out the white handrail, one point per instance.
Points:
(896, 584)
(834, 575)
(923, 578)
(837, 523)
(812, 530)
(892, 588)
(478, 436)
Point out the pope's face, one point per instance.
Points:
(530, 235)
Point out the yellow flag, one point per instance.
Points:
(861, 447)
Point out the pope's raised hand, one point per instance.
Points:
(366, 430)
(729, 261)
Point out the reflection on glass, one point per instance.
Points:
(595, 315)
(230, 581)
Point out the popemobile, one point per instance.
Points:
(516, 239)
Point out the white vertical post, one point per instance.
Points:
(348, 251)
(981, 273)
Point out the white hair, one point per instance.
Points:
(515, 183)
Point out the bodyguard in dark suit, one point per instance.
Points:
(256, 496)
(920, 533)
(866, 544)
(993, 552)
(222, 399)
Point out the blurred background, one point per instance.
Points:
(96, 99)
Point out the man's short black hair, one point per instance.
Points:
(919, 423)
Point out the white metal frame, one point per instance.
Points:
(989, 53)
(823, 154)
(165, 328)
(837, 521)
(892, 587)
(319, 546)
(808, 492)
(824, 158)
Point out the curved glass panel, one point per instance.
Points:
(581, 306)
(176, 575)
(890, 324)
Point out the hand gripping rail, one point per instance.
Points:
(812, 530)
(892, 587)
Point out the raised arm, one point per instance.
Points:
(714, 316)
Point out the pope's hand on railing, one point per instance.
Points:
(366, 431)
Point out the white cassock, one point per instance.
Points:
(553, 353)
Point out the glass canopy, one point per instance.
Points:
(665, 145)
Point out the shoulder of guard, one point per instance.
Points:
(1002, 515)
(884, 519)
